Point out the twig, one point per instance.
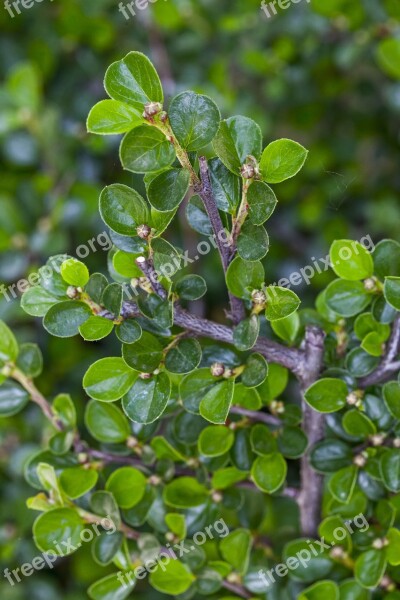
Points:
(237, 589)
(314, 427)
(204, 190)
(388, 366)
(36, 397)
(256, 415)
(147, 267)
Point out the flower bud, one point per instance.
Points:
(377, 439)
(143, 231)
(217, 369)
(360, 461)
(369, 284)
(258, 297)
(247, 171)
(151, 109)
(72, 292)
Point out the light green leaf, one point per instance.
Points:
(369, 568)
(127, 485)
(281, 160)
(36, 301)
(243, 277)
(215, 440)
(110, 117)
(96, 328)
(64, 319)
(108, 379)
(347, 298)
(269, 472)
(327, 395)
(173, 578)
(281, 303)
(106, 422)
(235, 549)
(147, 399)
(350, 260)
(111, 587)
(56, 526)
(145, 149)
(8, 344)
(215, 405)
(77, 482)
(185, 492)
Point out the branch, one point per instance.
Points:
(147, 267)
(36, 397)
(237, 589)
(314, 427)
(204, 190)
(256, 415)
(388, 366)
(291, 358)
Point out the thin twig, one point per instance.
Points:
(388, 365)
(256, 415)
(237, 589)
(147, 267)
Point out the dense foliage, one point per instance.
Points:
(185, 426)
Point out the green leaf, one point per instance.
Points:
(237, 138)
(327, 395)
(125, 265)
(95, 287)
(247, 397)
(112, 117)
(106, 546)
(275, 383)
(358, 424)
(8, 344)
(134, 80)
(287, 328)
(391, 396)
(351, 590)
(215, 440)
(172, 578)
(388, 56)
(225, 186)
(281, 303)
(369, 568)
(112, 298)
(184, 356)
(159, 310)
(262, 202)
(167, 191)
(127, 485)
(108, 379)
(111, 588)
(64, 409)
(144, 355)
(194, 119)
(262, 440)
(197, 216)
(347, 298)
(386, 256)
(36, 301)
(123, 209)
(64, 319)
(193, 388)
(390, 469)
(350, 260)
(252, 242)
(246, 333)
(185, 492)
(391, 291)
(106, 422)
(235, 549)
(30, 360)
(243, 277)
(145, 149)
(225, 478)
(177, 524)
(329, 456)
(393, 549)
(342, 483)
(147, 399)
(308, 571)
(77, 482)
(281, 160)
(328, 590)
(164, 450)
(56, 526)
(215, 405)
(269, 472)
(129, 331)
(74, 272)
(292, 442)
(256, 370)
(191, 287)
(96, 328)
(13, 399)
(166, 258)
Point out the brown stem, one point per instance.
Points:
(204, 190)
(147, 267)
(388, 366)
(36, 397)
(256, 415)
(314, 427)
(237, 589)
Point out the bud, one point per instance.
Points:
(216, 497)
(377, 439)
(396, 443)
(217, 369)
(360, 461)
(143, 231)
(169, 536)
(354, 399)
(145, 375)
(247, 171)
(369, 284)
(151, 109)
(72, 292)
(380, 543)
(82, 458)
(387, 584)
(277, 407)
(132, 442)
(337, 552)
(258, 297)
(154, 480)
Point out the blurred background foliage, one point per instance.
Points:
(325, 73)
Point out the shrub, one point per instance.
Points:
(215, 451)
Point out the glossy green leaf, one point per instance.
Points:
(287, 328)
(391, 396)
(237, 138)
(246, 333)
(108, 379)
(64, 319)
(342, 483)
(184, 356)
(327, 395)
(235, 549)
(111, 588)
(386, 256)
(106, 422)
(185, 492)
(147, 399)
(13, 398)
(30, 360)
(391, 291)
(123, 209)
(146, 149)
(194, 119)
(75, 272)
(110, 117)
(8, 344)
(322, 589)
(281, 303)
(388, 56)
(347, 298)
(127, 485)
(191, 287)
(281, 160)
(96, 328)
(390, 469)
(144, 355)
(252, 242)
(269, 472)
(243, 277)
(215, 440)
(172, 578)
(225, 186)
(369, 568)
(350, 260)
(129, 331)
(256, 370)
(36, 301)
(262, 202)
(56, 526)
(215, 405)
(76, 481)
(168, 189)
(393, 549)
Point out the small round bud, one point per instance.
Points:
(380, 543)
(151, 109)
(369, 284)
(396, 443)
(387, 584)
(154, 480)
(258, 297)
(360, 461)
(72, 292)
(145, 375)
(132, 442)
(354, 399)
(337, 552)
(234, 578)
(247, 171)
(228, 373)
(6, 370)
(135, 282)
(277, 407)
(217, 369)
(82, 458)
(143, 231)
(377, 439)
(163, 117)
(216, 497)
(169, 536)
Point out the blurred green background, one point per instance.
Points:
(325, 73)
